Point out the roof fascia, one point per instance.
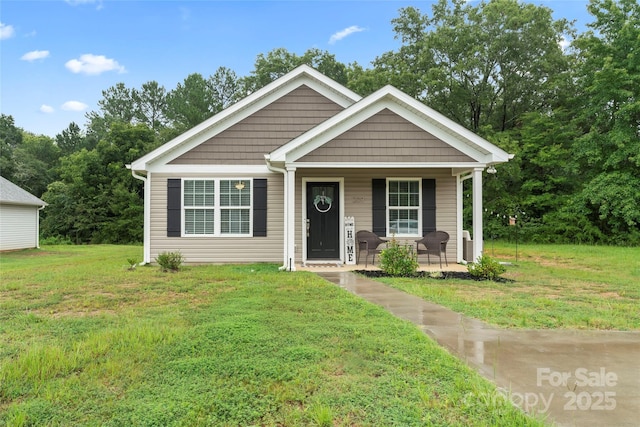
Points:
(302, 75)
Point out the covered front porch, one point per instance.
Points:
(403, 203)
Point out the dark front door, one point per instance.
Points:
(323, 220)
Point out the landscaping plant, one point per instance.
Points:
(398, 260)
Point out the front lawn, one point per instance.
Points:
(84, 341)
(553, 286)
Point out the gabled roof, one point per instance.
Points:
(302, 75)
(14, 195)
(402, 104)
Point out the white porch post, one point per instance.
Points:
(477, 213)
(459, 208)
(290, 206)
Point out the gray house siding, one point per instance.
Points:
(386, 138)
(197, 250)
(249, 140)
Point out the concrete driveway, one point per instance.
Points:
(573, 378)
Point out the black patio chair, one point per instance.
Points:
(434, 243)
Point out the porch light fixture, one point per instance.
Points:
(239, 185)
(491, 169)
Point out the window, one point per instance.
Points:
(404, 207)
(217, 207)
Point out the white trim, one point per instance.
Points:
(477, 213)
(408, 165)
(211, 169)
(340, 181)
(459, 210)
(302, 75)
(418, 209)
(291, 217)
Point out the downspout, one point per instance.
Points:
(286, 210)
(146, 242)
(38, 227)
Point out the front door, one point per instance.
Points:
(323, 220)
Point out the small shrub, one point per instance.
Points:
(486, 268)
(170, 261)
(133, 263)
(398, 260)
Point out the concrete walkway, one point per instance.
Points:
(574, 378)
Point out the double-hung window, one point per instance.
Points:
(404, 207)
(217, 207)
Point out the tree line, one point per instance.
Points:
(569, 112)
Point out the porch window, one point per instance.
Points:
(217, 207)
(404, 207)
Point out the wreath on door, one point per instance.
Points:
(322, 203)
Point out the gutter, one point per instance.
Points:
(283, 171)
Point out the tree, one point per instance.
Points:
(150, 105)
(480, 65)
(609, 151)
(10, 139)
(279, 62)
(36, 161)
(70, 140)
(190, 103)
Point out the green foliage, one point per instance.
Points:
(486, 268)
(170, 261)
(398, 260)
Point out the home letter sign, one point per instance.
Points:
(350, 239)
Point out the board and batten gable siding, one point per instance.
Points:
(247, 141)
(385, 137)
(358, 199)
(205, 250)
(18, 227)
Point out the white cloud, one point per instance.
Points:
(48, 109)
(34, 55)
(81, 2)
(93, 65)
(564, 43)
(344, 33)
(6, 31)
(74, 106)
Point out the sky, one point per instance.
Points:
(57, 56)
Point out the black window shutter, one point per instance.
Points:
(428, 205)
(259, 208)
(379, 207)
(174, 214)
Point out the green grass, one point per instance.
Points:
(85, 341)
(554, 286)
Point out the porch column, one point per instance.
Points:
(459, 208)
(477, 213)
(290, 206)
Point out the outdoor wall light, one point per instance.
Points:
(491, 169)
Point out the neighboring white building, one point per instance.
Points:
(19, 217)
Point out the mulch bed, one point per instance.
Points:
(463, 275)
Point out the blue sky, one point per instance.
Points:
(57, 56)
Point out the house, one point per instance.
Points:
(19, 217)
(274, 177)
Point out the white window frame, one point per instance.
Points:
(217, 208)
(416, 208)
